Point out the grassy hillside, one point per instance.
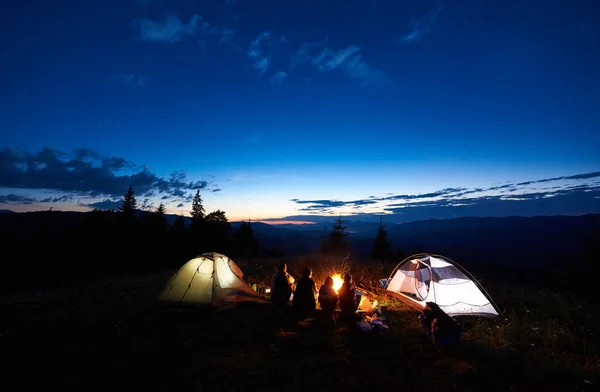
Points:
(109, 335)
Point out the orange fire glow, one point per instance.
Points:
(337, 282)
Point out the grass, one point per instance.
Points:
(110, 336)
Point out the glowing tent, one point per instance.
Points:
(210, 280)
(425, 278)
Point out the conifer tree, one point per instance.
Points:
(335, 242)
(160, 214)
(197, 207)
(129, 203)
(246, 244)
(382, 247)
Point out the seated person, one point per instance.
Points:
(328, 298)
(438, 326)
(304, 302)
(347, 296)
(282, 286)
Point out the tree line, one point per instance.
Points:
(334, 242)
(56, 247)
(49, 248)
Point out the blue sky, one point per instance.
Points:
(269, 106)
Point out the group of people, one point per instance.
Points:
(304, 294)
(442, 329)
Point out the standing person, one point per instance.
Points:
(304, 302)
(282, 286)
(347, 295)
(328, 299)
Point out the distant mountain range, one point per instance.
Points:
(535, 241)
(542, 241)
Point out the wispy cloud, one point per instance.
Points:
(328, 59)
(259, 61)
(278, 41)
(128, 79)
(226, 33)
(421, 27)
(173, 29)
(170, 29)
(349, 60)
(278, 77)
(304, 52)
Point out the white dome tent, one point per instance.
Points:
(425, 278)
(211, 279)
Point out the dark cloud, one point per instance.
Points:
(179, 205)
(583, 176)
(16, 199)
(323, 203)
(216, 190)
(442, 192)
(495, 188)
(87, 173)
(467, 201)
(574, 202)
(106, 204)
(61, 199)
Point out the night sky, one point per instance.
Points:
(279, 109)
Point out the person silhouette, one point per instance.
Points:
(328, 299)
(304, 302)
(442, 329)
(348, 299)
(282, 286)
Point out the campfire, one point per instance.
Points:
(337, 282)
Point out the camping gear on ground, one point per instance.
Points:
(425, 278)
(212, 279)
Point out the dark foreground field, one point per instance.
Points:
(110, 336)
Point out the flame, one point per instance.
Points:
(337, 282)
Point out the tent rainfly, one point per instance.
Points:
(208, 280)
(425, 278)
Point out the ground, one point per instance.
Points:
(111, 336)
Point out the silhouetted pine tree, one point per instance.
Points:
(335, 242)
(129, 204)
(382, 247)
(197, 229)
(161, 219)
(197, 208)
(245, 243)
(217, 231)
